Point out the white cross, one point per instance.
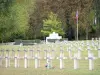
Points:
(61, 60)
(13, 53)
(7, 51)
(18, 56)
(79, 53)
(31, 53)
(2, 53)
(91, 63)
(25, 51)
(7, 61)
(1, 57)
(76, 62)
(45, 53)
(49, 61)
(37, 59)
(99, 40)
(25, 61)
(82, 43)
(93, 42)
(53, 53)
(89, 50)
(61, 52)
(38, 56)
(16, 61)
(1, 60)
(87, 43)
(70, 54)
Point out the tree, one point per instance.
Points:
(64, 10)
(97, 17)
(20, 14)
(6, 19)
(23, 9)
(14, 19)
(52, 24)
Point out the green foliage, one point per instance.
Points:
(52, 24)
(6, 19)
(91, 18)
(14, 21)
(22, 10)
(21, 18)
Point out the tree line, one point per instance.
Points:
(36, 19)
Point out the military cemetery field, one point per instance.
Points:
(49, 37)
(57, 48)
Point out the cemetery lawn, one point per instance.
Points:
(68, 70)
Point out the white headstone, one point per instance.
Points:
(99, 53)
(13, 53)
(93, 42)
(18, 57)
(61, 60)
(25, 61)
(49, 61)
(38, 54)
(36, 60)
(21, 44)
(1, 60)
(70, 53)
(2, 53)
(45, 55)
(53, 53)
(91, 62)
(87, 43)
(79, 53)
(99, 40)
(89, 50)
(31, 54)
(76, 62)
(7, 59)
(16, 61)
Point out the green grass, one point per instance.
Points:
(68, 70)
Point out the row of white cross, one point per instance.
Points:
(48, 58)
(69, 49)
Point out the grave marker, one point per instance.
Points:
(99, 52)
(76, 62)
(13, 53)
(8, 54)
(37, 61)
(16, 61)
(2, 52)
(49, 61)
(61, 60)
(46, 52)
(79, 53)
(89, 50)
(1, 60)
(91, 62)
(25, 51)
(31, 53)
(25, 61)
(69, 52)
(7, 59)
(18, 56)
(38, 53)
(53, 53)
